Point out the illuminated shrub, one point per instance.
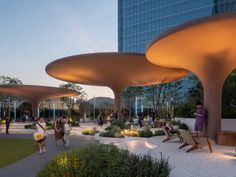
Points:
(89, 131)
(105, 161)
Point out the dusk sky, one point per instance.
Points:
(34, 33)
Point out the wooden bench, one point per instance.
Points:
(226, 138)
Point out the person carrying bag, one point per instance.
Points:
(40, 134)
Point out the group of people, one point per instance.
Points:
(62, 130)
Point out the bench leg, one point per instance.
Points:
(209, 145)
(183, 145)
(192, 148)
(167, 139)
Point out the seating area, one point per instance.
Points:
(194, 140)
(170, 135)
(198, 163)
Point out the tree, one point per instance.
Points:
(68, 101)
(162, 96)
(8, 81)
(229, 96)
(194, 93)
(129, 95)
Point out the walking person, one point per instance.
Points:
(201, 118)
(40, 134)
(58, 132)
(8, 121)
(100, 119)
(67, 130)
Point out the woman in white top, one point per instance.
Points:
(67, 130)
(41, 128)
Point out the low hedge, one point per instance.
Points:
(30, 126)
(159, 133)
(105, 161)
(183, 126)
(50, 125)
(118, 123)
(146, 133)
(89, 131)
(114, 132)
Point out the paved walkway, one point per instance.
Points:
(31, 165)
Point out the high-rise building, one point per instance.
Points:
(140, 21)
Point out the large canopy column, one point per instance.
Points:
(212, 83)
(117, 101)
(205, 47)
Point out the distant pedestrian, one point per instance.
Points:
(58, 131)
(26, 118)
(63, 121)
(40, 134)
(67, 130)
(8, 121)
(140, 121)
(201, 117)
(100, 119)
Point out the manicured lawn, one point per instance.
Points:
(13, 149)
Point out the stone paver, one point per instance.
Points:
(31, 165)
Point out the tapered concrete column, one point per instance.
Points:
(212, 102)
(212, 83)
(117, 101)
(212, 87)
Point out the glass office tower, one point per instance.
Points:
(140, 21)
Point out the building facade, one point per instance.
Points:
(140, 21)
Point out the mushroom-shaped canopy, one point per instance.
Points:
(115, 70)
(207, 48)
(199, 46)
(35, 93)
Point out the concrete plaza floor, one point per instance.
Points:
(198, 163)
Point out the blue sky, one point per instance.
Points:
(34, 33)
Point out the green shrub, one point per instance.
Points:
(145, 133)
(130, 132)
(74, 123)
(175, 122)
(183, 126)
(115, 132)
(89, 131)
(3, 121)
(159, 132)
(50, 125)
(30, 126)
(105, 161)
(118, 123)
(103, 134)
(108, 128)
